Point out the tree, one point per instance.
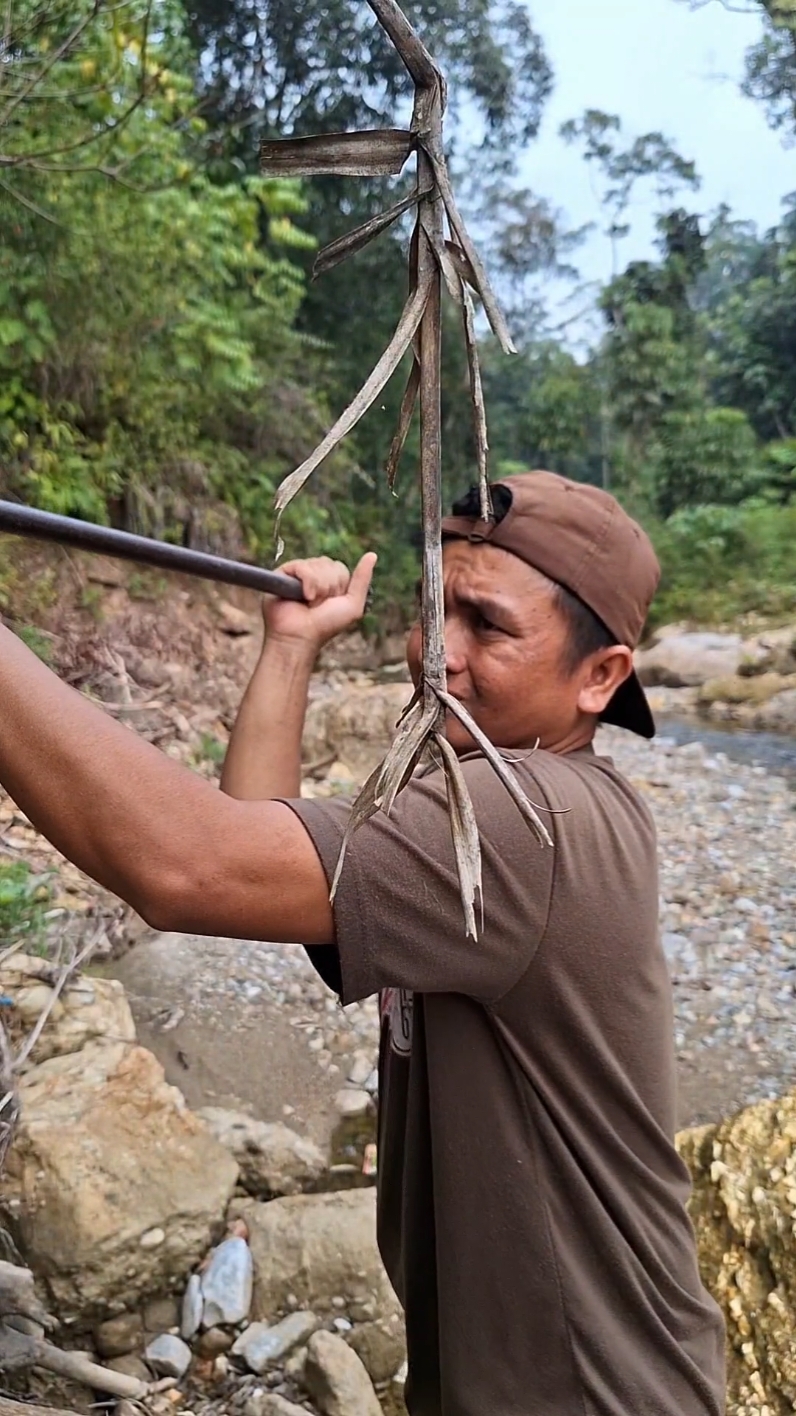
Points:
(146, 340)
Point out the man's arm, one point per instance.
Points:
(264, 756)
(186, 856)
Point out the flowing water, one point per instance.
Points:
(772, 750)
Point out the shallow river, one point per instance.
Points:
(772, 750)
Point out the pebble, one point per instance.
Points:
(168, 1355)
(152, 1239)
(337, 1379)
(727, 912)
(192, 1308)
(261, 1344)
(351, 1103)
(227, 1284)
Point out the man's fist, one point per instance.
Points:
(335, 600)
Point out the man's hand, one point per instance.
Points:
(335, 599)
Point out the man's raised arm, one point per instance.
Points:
(186, 856)
(264, 756)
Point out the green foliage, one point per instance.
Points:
(40, 643)
(146, 327)
(722, 562)
(24, 901)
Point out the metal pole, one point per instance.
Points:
(122, 545)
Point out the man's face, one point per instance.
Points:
(506, 654)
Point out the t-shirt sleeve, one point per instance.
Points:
(398, 915)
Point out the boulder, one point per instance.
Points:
(270, 1403)
(87, 1008)
(778, 715)
(688, 660)
(737, 689)
(118, 1336)
(773, 651)
(273, 1160)
(112, 1185)
(744, 1212)
(337, 1380)
(354, 725)
(310, 1249)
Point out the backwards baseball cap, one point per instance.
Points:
(580, 537)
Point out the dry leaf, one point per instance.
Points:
(376, 152)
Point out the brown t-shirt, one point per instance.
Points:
(531, 1203)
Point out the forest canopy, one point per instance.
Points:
(165, 357)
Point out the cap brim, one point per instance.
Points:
(629, 709)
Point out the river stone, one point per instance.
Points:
(336, 1378)
(120, 1335)
(168, 1355)
(688, 660)
(381, 1345)
(261, 1344)
(227, 1284)
(309, 1249)
(351, 1102)
(105, 1153)
(192, 1306)
(273, 1160)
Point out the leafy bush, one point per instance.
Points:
(720, 562)
(24, 901)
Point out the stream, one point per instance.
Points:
(772, 750)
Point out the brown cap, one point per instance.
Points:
(580, 537)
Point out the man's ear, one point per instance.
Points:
(605, 672)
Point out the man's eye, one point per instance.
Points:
(484, 624)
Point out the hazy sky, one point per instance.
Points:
(660, 66)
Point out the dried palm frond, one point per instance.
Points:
(433, 260)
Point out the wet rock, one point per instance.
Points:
(168, 1355)
(105, 1154)
(227, 1284)
(336, 1378)
(261, 1344)
(308, 1249)
(120, 1335)
(688, 660)
(192, 1308)
(381, 1346)
(273, 1159)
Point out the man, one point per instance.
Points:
(531, 1203)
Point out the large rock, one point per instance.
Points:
(738, 689)
(744, 1213)
(354, 725)
(315, 1248)
(773, 651)
(273, 1160)
(113, 1186)
(87, 1008)
(688, 660)
(778, 715)
(337, 1380)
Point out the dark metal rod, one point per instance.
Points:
(85, 536)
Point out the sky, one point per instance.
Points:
(660, 66)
